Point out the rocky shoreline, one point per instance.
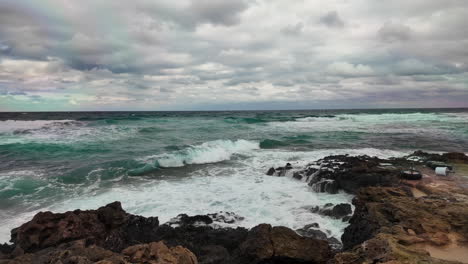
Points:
(395, 220)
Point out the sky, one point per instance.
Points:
(68, 55)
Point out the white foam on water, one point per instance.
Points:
(15, 125)
(240, 187)
(60, 131)
(376, 123)
(208, 152)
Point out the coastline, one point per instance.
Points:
(394, 221)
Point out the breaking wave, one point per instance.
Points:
(208, 152)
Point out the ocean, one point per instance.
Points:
(167, 163)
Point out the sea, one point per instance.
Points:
(167, 163)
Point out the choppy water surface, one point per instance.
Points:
(166, 163)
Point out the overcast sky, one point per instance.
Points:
(232, 54)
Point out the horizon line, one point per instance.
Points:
(243, 110)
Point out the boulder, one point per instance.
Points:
(49, 229)
(312, 231)
(271, 172)
(185, 220)
(342, 172)
(266, 244)
(338, 211)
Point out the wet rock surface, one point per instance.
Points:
(334, 173)
(110, 235)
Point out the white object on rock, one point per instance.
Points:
(441, 171)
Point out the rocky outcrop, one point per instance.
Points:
(313, 231)
(266, 244)
(110, 235)
(280, 171)
(347, 173)
(159, 253)
(78, 252)
(49, 229)
(389, 223)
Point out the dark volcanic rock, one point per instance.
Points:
(185, 220)
(350, 173)
(271, 172)
(78, 252)
(338, 211)
(312, 231)
(266, 244)
(225, 217)
(48, 229)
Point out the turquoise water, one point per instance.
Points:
(167, 163)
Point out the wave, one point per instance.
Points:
(22, 126)
(247, 120)
(208, 152)
(266, 119)
(271, 143)
(151, 130)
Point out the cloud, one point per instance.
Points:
(218, 12)
(347, 69)
(332, 19)
(293, 30)
(391, 32)
(187, 54)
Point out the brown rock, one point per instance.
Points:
(266, 243)
(159, 253)
(49, 229)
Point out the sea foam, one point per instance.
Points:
(208, 152)
(240, 187)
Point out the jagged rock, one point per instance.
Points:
(185, 220)
(326, 185)
(48, 229)
(312, 231)
(342, 172)
(388, 220)
(266, 244)
(281, 171)
(159, 253)
(297, 176)
(204, 220)
(5, 250)
(226, 217)
(77, 252)
(338, 211)
(271, 172)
